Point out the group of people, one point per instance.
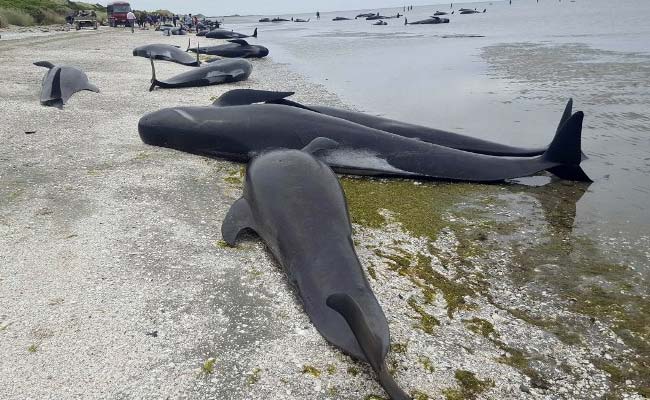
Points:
(144, 19)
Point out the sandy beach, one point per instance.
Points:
(114, 281)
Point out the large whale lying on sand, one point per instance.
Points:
(237, 48)
(226, 34)
(236, 132)
(288, 196)
(166, 52)
(213, 73)
(61, 82)
(435, 136)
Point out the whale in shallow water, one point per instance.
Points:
(235, 132)
(61, 82)
(340, 19)
(465, 11)
(428, 21)
(237, 48)
(380, 22)
(225, 34)
(213, 73)
(166, 52)
(296, 205)
(423, 133)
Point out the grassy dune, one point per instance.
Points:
(42, 12)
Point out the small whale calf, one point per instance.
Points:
(296, 205)
(237, 48)
(213, 73)
(225, 34)
(61, 82)
(340, 19)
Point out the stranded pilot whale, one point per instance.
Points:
(166, 52)
(296, 205)
(61, 82)
(213, 73)
(237, 48)
(428, 21)
(226, 34)
(423, 133)
(234, 132)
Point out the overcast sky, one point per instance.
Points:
(243, 7)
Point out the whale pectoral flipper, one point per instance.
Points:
(45, 64)
(240, 42)
(239, 217)
(91, 88)
(370, 343)
(320, 143)
(240, 97)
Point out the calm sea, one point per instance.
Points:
(509, 85)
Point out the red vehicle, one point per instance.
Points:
(117, 11)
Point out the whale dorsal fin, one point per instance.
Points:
(241, 42)
(241, 97)
(45, 64)
(320, 143)
(239, 217)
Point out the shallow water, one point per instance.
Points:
(509, 85)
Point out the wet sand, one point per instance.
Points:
(114, 281)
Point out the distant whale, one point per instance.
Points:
(166, 52)
(214, 73)
(472, 11)
(428, 21)
(375, 17)
(437, 13)
(340, 19)
(279, 20)
(61, 82)
(301, 20)
(265, 20)
(296, 205)
(380, 22)
(237, 48)
(235, 132)
(225, 34)
(364, 15)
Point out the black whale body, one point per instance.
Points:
(213, 73)
(423, 133)
(166, 52)
(428, 21)
(235, 132)
(61, 82)
(226, 34)
(296, 205)
(237, 48)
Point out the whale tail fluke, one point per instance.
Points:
(565, 149)
(370, 343)
(255, 33)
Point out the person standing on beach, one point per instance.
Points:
(317, 15)
(131, 18)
